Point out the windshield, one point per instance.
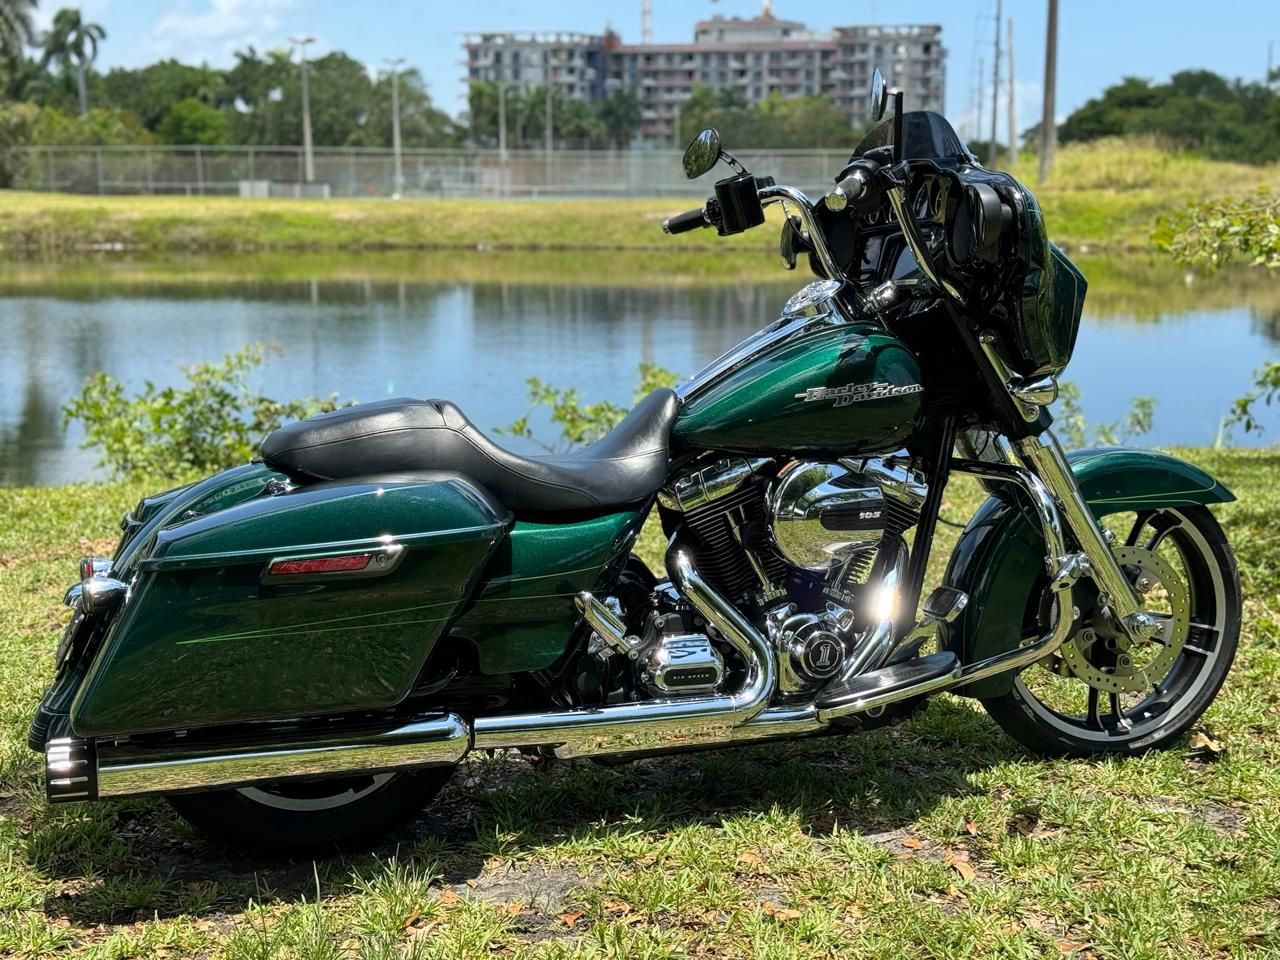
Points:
(928, 136)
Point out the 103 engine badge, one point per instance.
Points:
(857, 392)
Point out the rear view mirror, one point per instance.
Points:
(702, 154)
(879, 96)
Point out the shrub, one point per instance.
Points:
(214, 422)
(581, 424)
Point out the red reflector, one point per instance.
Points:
(346, 564)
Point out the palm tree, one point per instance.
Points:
(16, 30)
(71, 41)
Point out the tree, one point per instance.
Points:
(621, 116)
(772, 123)
(422, 124)
(192, 121)
(1196, 109)
(152, 90)
(16, 29)
(72, 41)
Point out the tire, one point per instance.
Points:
(313, 817)
(1176, 701)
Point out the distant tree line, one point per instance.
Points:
(1196, 110)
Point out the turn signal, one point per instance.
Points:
(94, 567)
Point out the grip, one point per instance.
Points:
(684, 222)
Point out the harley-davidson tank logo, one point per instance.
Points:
(857, 392)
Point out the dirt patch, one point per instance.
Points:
(543, 889)
(1216, 816)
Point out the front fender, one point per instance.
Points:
(999, 560)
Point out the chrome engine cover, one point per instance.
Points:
(682, 664)
(825, 514)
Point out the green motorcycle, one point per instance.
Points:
(299, 651)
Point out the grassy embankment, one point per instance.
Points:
(1103, 195)
(936, 839)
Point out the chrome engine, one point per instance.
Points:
(797, 547)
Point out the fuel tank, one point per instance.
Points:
(819, 381)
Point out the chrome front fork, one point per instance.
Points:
(1043, 456)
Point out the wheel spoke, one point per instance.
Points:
(1144, 517)
(1117, 711)
(1202, 639)
(1163, 524)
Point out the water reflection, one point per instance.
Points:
(474, 328)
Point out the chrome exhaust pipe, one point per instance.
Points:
(85, 770)
(654, 724)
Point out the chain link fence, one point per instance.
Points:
(368, 172)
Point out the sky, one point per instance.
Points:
(1100, 41)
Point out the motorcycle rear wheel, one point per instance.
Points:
(1057, 713)
(310, 817)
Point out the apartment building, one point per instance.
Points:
(759, 57)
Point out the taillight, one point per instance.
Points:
(348, 563)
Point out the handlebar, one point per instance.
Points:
(848, 190)
(684, 222)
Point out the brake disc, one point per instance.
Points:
(1155, 576)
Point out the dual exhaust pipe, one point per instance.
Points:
(87, 770)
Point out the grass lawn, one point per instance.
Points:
(1107, 194)
(938, 838)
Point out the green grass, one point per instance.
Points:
(1104, 195)
(936, 839)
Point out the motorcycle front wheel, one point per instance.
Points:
(312, 816)
(1101, 695)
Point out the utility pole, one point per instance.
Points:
(982, 100)
(395, 63)
(1048, 128)
(309, 166)
(1013, 105)
(546, 82)
(995, 84)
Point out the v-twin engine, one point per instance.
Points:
(801, 547)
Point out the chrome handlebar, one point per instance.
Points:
(779, 193)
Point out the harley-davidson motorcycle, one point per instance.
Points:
(299, 651)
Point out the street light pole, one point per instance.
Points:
(395, 64)
(502, 117)
(310, 166)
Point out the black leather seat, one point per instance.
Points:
(394, 436)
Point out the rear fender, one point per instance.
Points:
(999, 560)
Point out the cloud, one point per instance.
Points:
(217, 28)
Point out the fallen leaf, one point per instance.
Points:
(1204, 746)
(913, 843)
(750, 857)
(473, 883)
(962, 866)
(972, 829)
(569, 919)
(414, 914)
(1069, 947)
(448, 896)
(514, 909)
(780, 913)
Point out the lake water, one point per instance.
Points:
(1146, 332)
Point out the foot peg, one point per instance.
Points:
(940, 608)
(880, 687)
